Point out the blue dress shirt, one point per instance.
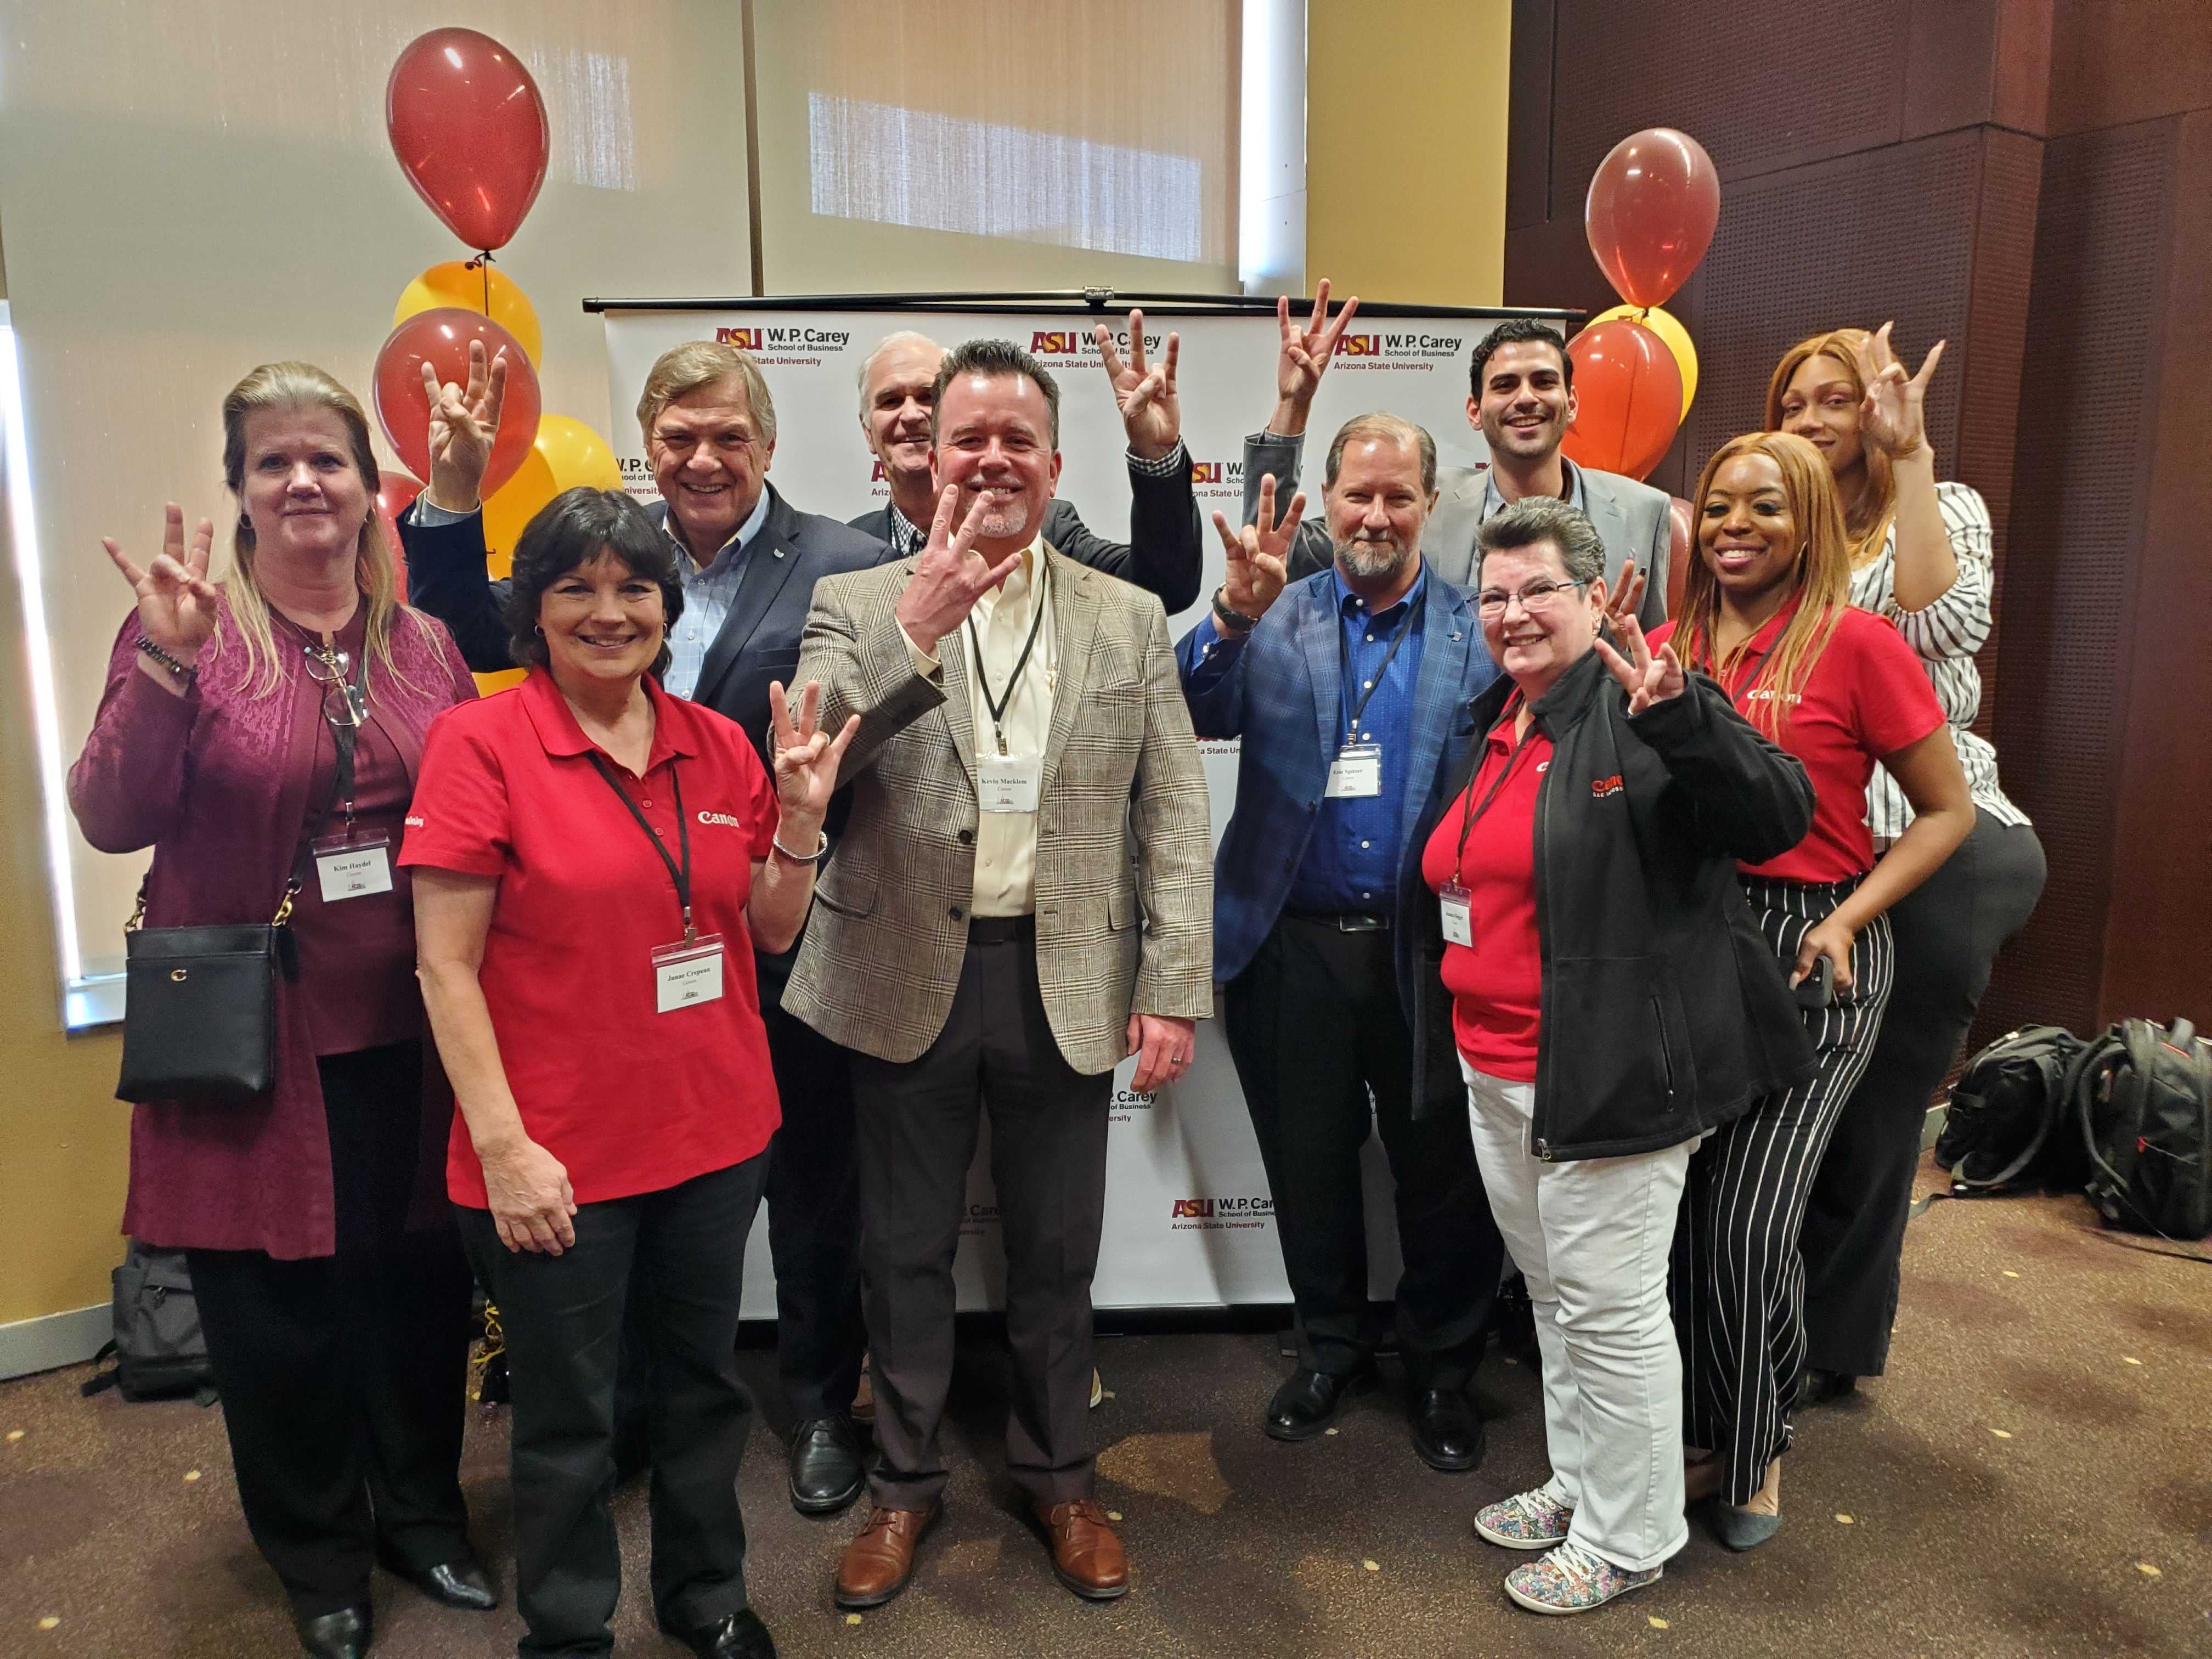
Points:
(1352, 861)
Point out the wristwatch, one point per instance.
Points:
(1228, 618)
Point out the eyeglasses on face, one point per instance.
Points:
(1542, 594)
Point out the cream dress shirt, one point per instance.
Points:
(1005, 843)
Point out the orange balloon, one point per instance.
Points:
(453, 283)
(1628, 398)
(565, 454)
(488, 683)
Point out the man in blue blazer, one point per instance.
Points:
(1351, 690)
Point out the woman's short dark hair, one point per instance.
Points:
(575, 528)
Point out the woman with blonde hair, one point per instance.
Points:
(1766, 611)
(1921, 556)
(261, 731)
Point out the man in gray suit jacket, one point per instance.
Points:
(1023, 897)
(1520, 398)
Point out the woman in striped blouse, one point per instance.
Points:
(1921, 556)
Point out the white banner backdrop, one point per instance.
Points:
(1189, 1219)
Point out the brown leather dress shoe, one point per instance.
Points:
(1085, 1554)
(879, 1560)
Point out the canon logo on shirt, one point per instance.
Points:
(723, 819)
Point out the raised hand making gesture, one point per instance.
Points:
(1152, 411)
(806, 758)
(1646, 678)
(1894, 415)
(949, 574)
(1258, 555)
(463, 425)
(176, 602)
(1303, 358)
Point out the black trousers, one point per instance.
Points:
(918, 1125)
(813, 1212)
(344, 1377)
(813, 1190)
(1738, 1281)
(1948, 932)
(1314, 1026)
(679, 1255)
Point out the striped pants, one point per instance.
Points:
(1738, 1282)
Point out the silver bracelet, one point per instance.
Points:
(815, 857)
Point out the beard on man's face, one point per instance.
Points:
(1372, 556)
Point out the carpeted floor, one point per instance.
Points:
(2033, 1478)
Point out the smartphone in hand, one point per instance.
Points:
(1818, 989)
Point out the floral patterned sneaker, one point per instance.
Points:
(1526, 1520)
(1572, 1580)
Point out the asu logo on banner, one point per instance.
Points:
(746, 339)
(1361, 345)
(1046, 343)
(1219, 1214)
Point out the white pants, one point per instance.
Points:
(1591, 1236)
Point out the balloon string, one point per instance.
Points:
(482, 262)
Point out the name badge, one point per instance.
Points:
(1457, 906)
(1356, 774)
(353, 866)
(687, 973)
(1009, 783)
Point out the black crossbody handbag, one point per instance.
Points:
(199, 1009)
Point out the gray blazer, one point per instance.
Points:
(1631, 517)
(1124, 855)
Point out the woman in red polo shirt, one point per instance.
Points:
(1609, 1002)
(592, 857)
(1766, 611)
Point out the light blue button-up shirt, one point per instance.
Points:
(709, 593)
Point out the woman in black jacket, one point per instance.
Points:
(1592, 972)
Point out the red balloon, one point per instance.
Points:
(395, 490)
(1628, 398)
(1653, 204)
(441, 339)
(1681, 547)
(469, 129)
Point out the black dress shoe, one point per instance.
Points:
(1818, 1388)
(1308, 1403)
(828, 1469)
(1447, 1429)
(341, 1635)
(740, 1636)
(460, 1583)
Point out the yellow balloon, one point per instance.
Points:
(488, 683)
(1669, 329)
(566, 453)
(453, 283)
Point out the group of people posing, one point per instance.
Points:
(804, 845)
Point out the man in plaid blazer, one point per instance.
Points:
(1021, 900)
(1351, 690)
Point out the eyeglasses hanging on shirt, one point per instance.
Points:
(1356, 773)
(351, 863)
(1005, 782)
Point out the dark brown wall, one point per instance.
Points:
(2031, 180)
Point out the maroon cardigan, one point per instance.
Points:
(217, 782)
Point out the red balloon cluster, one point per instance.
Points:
(441, 339)
(469, 128)
(1653, 204)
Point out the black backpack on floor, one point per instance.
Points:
(159, 1349)
(2142, 1100)
(2010, 1126)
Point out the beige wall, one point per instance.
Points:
(1405, 108)
(62, 1134)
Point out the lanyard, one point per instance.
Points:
(1344, 666)
(1474, 812)
(682, 877)
(1750, 670)
(998, 706)
(343, 732)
